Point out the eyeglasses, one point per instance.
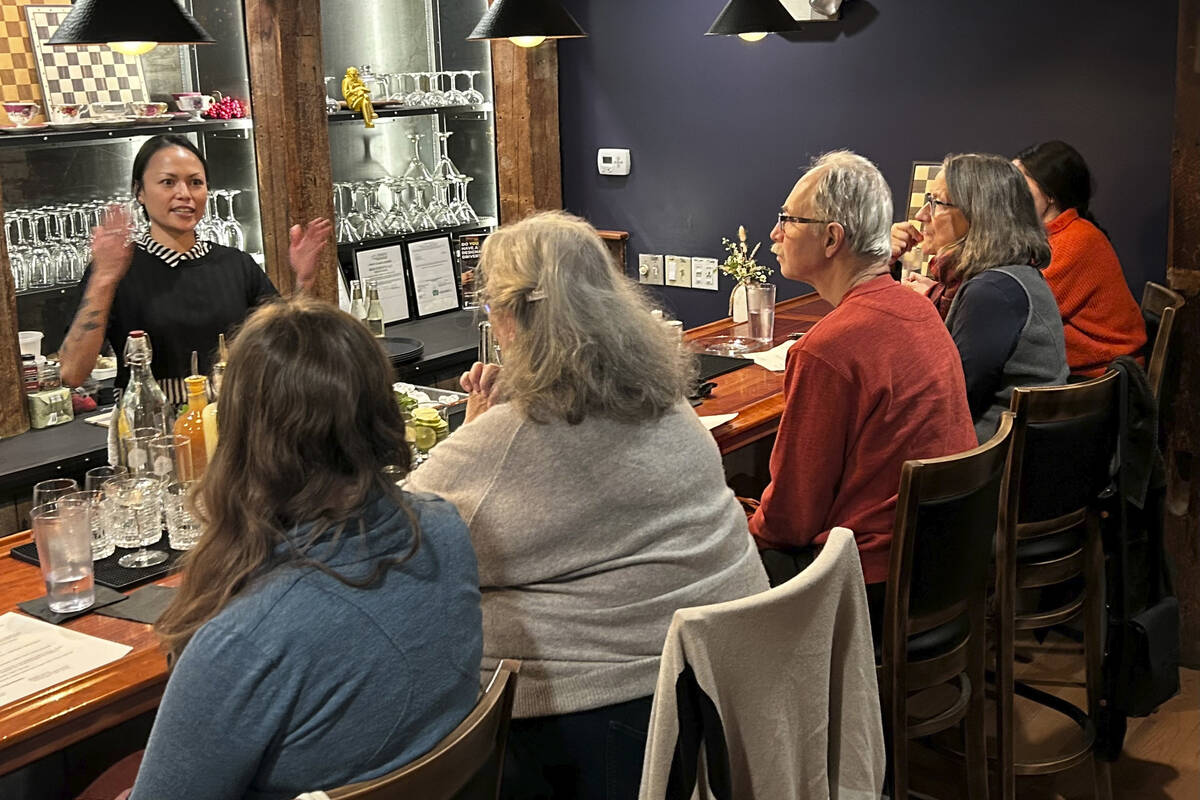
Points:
(933, 203)
(784, 219)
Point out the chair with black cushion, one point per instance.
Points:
(1049, 553)
(935, 625)
(1159, 306)
(466, 765)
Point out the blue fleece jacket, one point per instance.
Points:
(305, 683)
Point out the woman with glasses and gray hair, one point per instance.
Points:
(981, 222)
(596, 502)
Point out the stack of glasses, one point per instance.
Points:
(415, 89)
(419, 200)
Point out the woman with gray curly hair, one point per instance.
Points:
(595, 499)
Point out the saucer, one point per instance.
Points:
(71, 125)
(118, 122)
(156, 118)
(35, 127)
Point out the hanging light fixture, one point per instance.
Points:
(752, 20)
(131, 27)
(526, 23)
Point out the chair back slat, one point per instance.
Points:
(1159, 307)
(947, 515)
(465, 765)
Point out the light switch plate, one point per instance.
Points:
(704, 273)
(650, 269)
(678, 271)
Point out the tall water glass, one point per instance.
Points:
(760, 303)
(46, 492)
(92, 503)
(64, 548)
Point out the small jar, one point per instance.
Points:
(29, 374)
(49, 376)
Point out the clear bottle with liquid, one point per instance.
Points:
(358, 309)
(143, 404)
(374, 310)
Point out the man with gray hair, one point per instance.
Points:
(876, 382)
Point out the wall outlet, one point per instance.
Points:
(679, 271)
(704, 273)
(650, 269)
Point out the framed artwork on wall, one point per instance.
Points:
(81, 74)
(923, 173)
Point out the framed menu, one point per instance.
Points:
(435, 285)
(385, 266)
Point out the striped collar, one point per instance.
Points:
(172, 257)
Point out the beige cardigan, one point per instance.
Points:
(791, 672)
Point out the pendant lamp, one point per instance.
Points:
(131, 27)
(526, 23)
(752, 19)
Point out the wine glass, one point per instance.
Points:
(454, 97)
(17, 250)
(234, 235)
(331, 105)
(345, 230)
(41, 265)
(472, 95)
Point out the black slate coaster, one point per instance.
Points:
(40, 607)
(145, 605)
(111, 574)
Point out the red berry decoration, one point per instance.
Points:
(227, 108)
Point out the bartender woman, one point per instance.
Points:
(181, 290)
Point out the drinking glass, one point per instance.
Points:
(346, 231)
(41, 266)
(183, 529)
(92, 504)
(760, 303)
(454, 96)
(64, 548)
(235, 236)
(17, 250)
(472, 95)
(133, 507)
(331, 105)
(171, 457)
(95, 477)
(135, 449)
(47, 492)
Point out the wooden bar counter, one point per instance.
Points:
(74, 710)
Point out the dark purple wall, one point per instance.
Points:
(720, 129)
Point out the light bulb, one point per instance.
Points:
(527, 41)
(757, 36)
(133, 48)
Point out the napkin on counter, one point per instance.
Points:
(100, 419)
(714, 420)
(774, 359)
(40, 607)
(145, 605)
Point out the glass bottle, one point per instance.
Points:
(209, 415)
(374, 310)
(143, 403)
(191, 424)
(358, 309)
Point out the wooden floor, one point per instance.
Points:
(1161, 759)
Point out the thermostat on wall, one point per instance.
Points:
(611, 161)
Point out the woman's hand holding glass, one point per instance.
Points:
(481, 383)
(112, 249)
(905, 237)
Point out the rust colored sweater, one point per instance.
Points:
(1101, 320)
(876, 382)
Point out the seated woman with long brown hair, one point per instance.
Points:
(328, 626)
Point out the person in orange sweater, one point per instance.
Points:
(1101, 320)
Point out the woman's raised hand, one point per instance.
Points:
(905, 237)
(112, 251)
(305, 247)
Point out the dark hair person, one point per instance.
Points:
(982, 220)
(327, 629)
(596, 501)
(181, 289)
(1101, 318)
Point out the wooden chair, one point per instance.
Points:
(466, 765)
(1159, 306)
(935, 625)
(1064, 439)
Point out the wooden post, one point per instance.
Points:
(528, 161)
(14, 415)
(291, 132)
(1183, 273)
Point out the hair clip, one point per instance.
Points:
(535, 295)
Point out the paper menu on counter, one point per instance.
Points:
(35, 655)
(434, 283)
(385, 266)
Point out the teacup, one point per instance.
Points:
(193, 104)
(66, 112)
(20, 113)
(102, 111)
(147, 109)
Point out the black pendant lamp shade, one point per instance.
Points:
(752, 16)
(103, 21)
(506, 19)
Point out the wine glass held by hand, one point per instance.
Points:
(172, 272)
